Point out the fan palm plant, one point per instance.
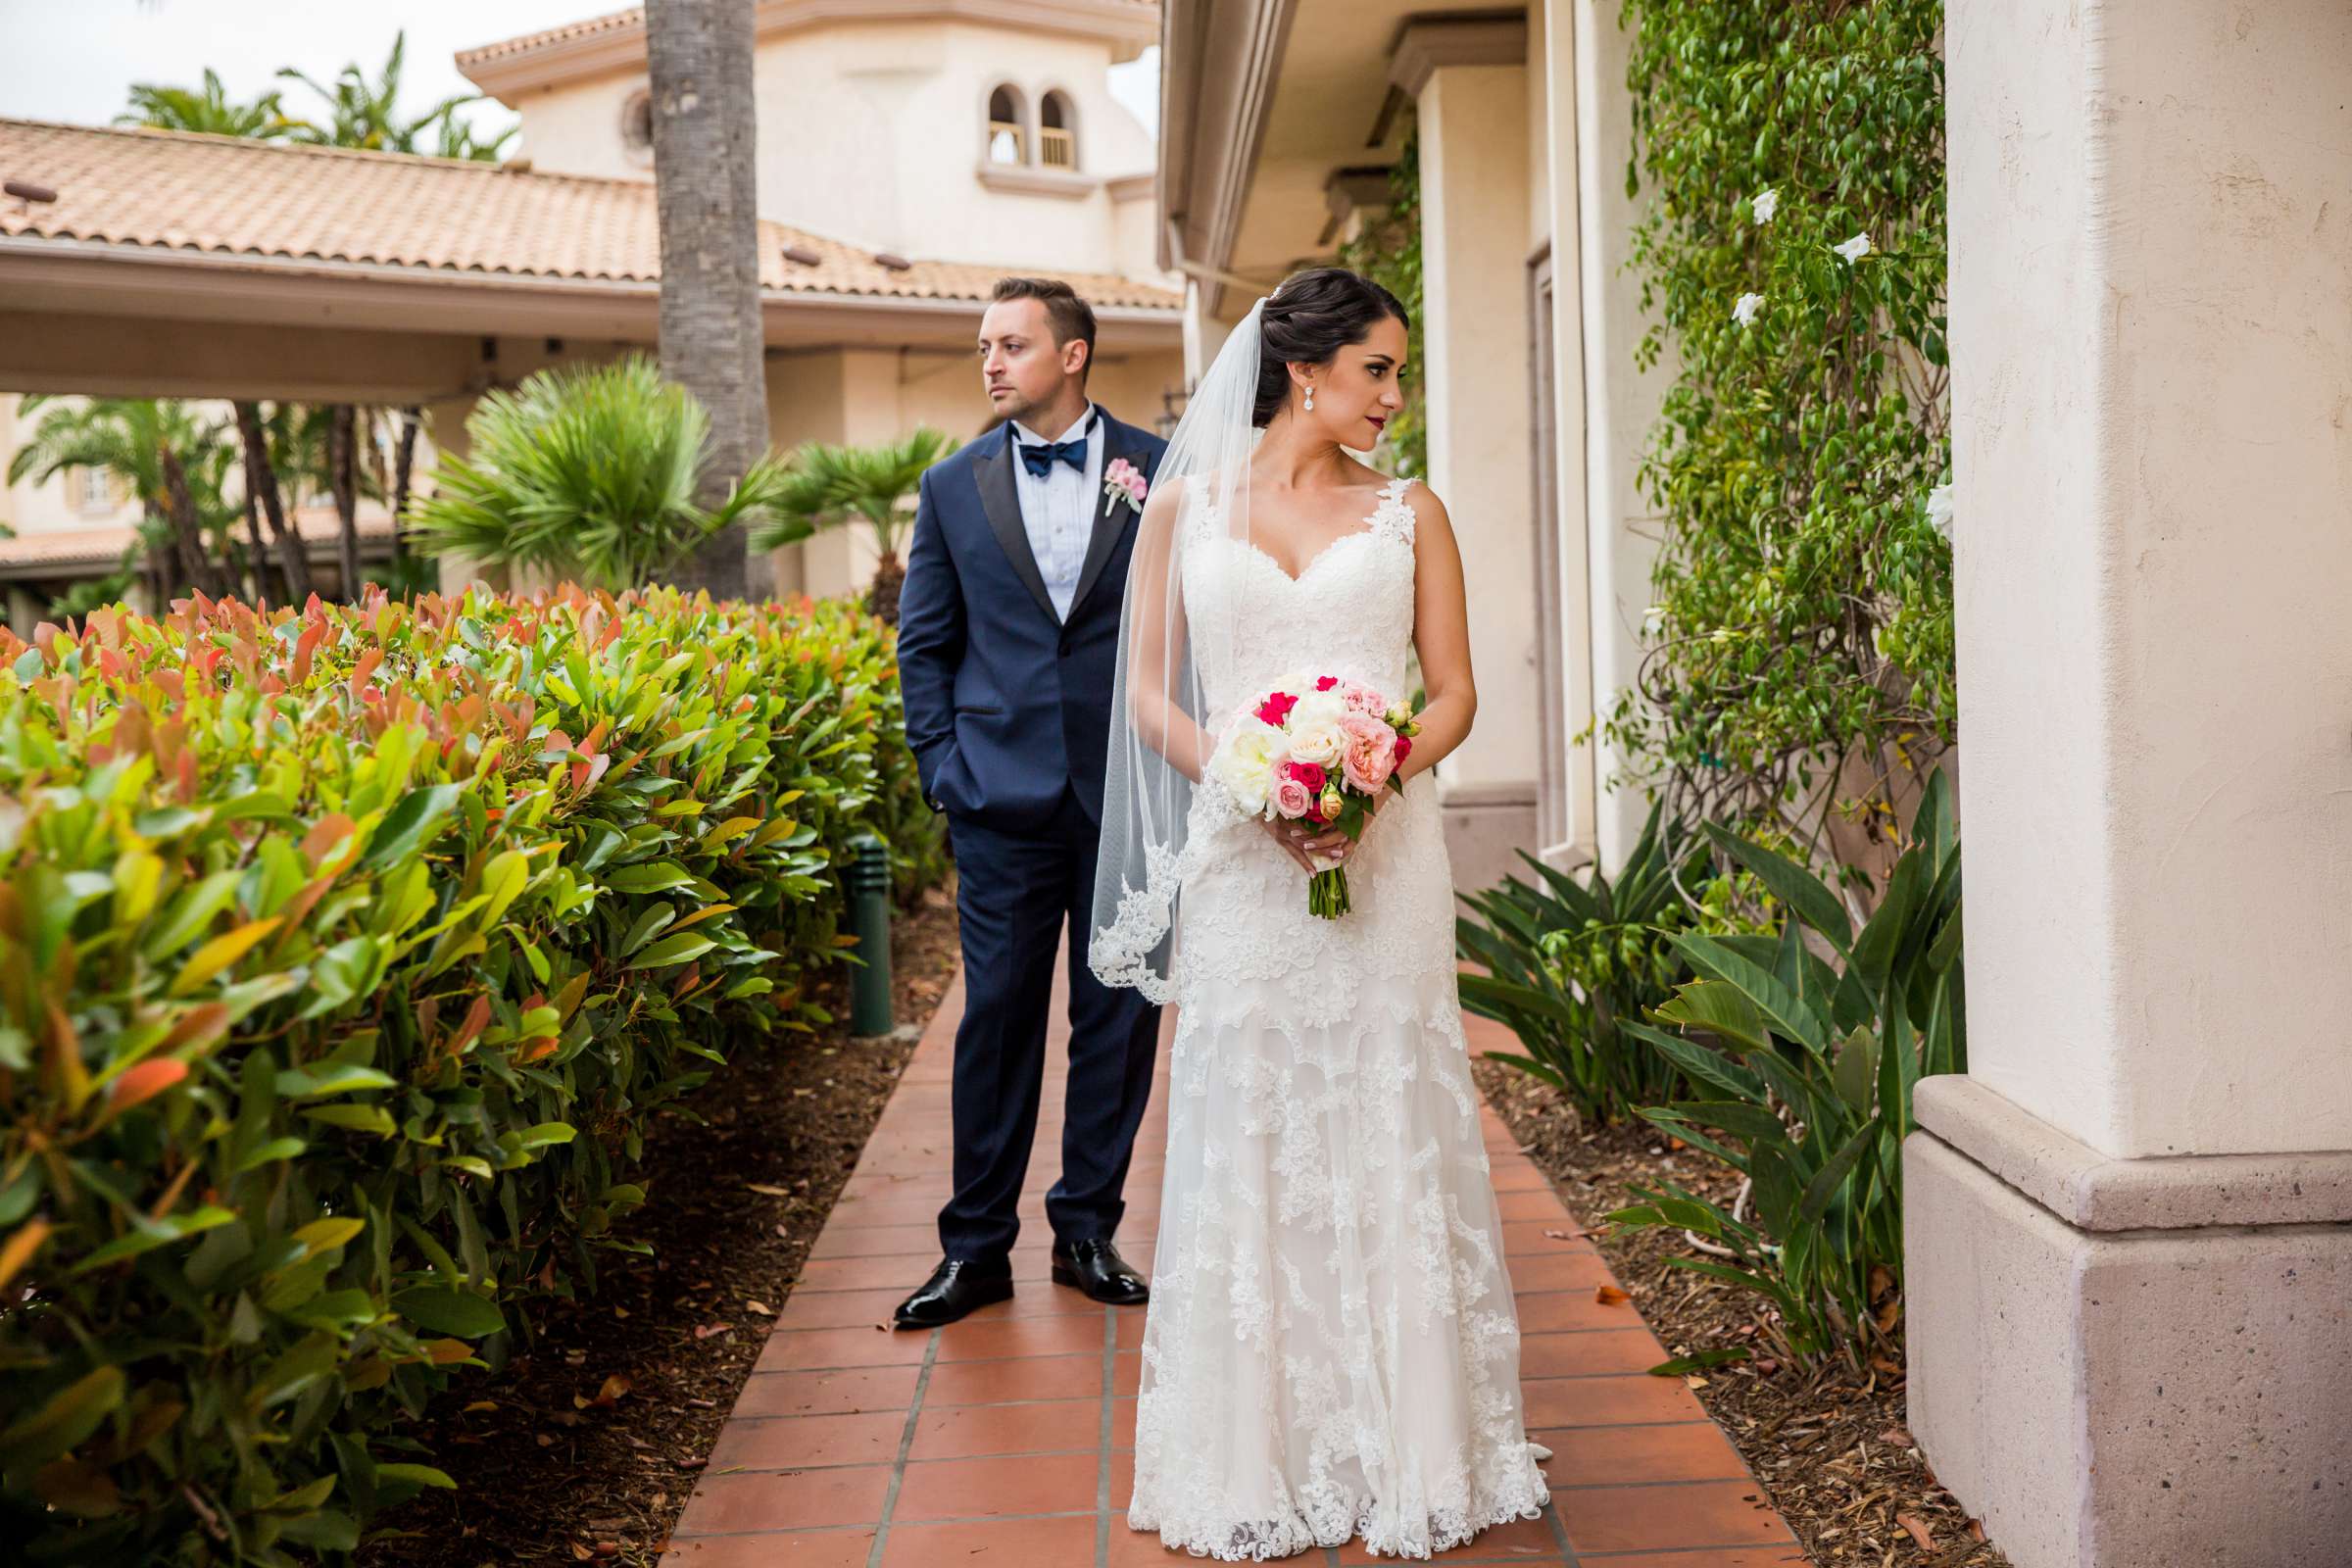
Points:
(827, 486)
(588, 474)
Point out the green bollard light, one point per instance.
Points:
(868, 879)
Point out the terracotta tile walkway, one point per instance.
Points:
(1005, 1439)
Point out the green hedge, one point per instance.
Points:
(344, 959)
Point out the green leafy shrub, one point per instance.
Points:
(1566, 960)
(1808, 1063)
(1800, 645)
(344, 956)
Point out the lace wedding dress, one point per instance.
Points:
(1331, 1349)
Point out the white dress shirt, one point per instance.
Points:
(1058, 508)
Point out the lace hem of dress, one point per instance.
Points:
(1337, 1520)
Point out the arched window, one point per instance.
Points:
(637, 124)
(1057, 132)
(1008, 131)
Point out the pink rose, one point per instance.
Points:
(1276, 708)
(1404, 749)
(1327, 683)
(1309, 777)
(1365, 700)
(1292, 797)
(1371, 752)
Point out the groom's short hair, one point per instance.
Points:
(1071, 316)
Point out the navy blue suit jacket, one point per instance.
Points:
(1006, 705)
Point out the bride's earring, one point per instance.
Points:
(1310, 398)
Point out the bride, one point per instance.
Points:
(1331, 1349)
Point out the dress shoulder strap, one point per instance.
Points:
(1395, 513)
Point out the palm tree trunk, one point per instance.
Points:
(402, 472)
(187, 529)
(342, 477)
(257, 562)
(261, 479)
(698, 53)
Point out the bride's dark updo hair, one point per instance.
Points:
(1309, 319)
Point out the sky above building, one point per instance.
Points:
(75, 59)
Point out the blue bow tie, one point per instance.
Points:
(1038, 457)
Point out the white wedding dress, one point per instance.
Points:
(1331, 1347)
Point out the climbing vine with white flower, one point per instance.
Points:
(1791, 253)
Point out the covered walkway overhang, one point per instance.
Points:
(166, 265)
(110, 321)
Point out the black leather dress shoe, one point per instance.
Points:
(1097, 1268)
(956, 1288)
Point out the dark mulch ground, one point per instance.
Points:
(1830, 1446)
(585, 1449)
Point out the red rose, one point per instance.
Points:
(1404, 749)
(1327, 683)
(1276, 708)
(1308, 774)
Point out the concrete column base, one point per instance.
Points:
(2125, 1363)
(1487, 825)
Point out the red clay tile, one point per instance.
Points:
(1788, 1556)
(875, 1388)
(1529, 1540)
(877, 1241)
(1632, 1349)
(786, 1443)
(1553, 1271)
(963, 1432)
(798, 1548)
(1124, 1375)
(1592, 1456)
(1037, 1377)
(838, 1309)
(1023, 1336)
(993, 1487)
(1535, 1202)
(1707, 1513)
(789, 1499)
(803, 1349)
(901, 1274)
(994, 1543)
(1608, 1401)
(1551, 1311)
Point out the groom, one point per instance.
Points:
(1008, 626)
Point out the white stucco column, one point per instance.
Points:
(1470, 81)
(2130, 1267)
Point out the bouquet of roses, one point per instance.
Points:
(1320, 752)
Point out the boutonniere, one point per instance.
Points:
(1124, 481)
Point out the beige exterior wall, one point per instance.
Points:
(875, 132)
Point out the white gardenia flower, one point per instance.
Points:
(1853, 250)
(1939, 509)
(1744, 309)
(1765, 203)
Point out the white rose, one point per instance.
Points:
(1244, 760)
(1318, 707)
(1319, 741)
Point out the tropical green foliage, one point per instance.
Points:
(826, 486)
(1805, 1065)
(1388, 251)
(1803, 618)
(1566, 960)
(588, 474)
(207, 109)
(364, 112)
(344, 958)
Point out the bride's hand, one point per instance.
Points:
(1314, 848)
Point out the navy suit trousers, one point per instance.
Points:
(1016, 892)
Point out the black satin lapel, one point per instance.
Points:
(1003, 504)
(1111, 516)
